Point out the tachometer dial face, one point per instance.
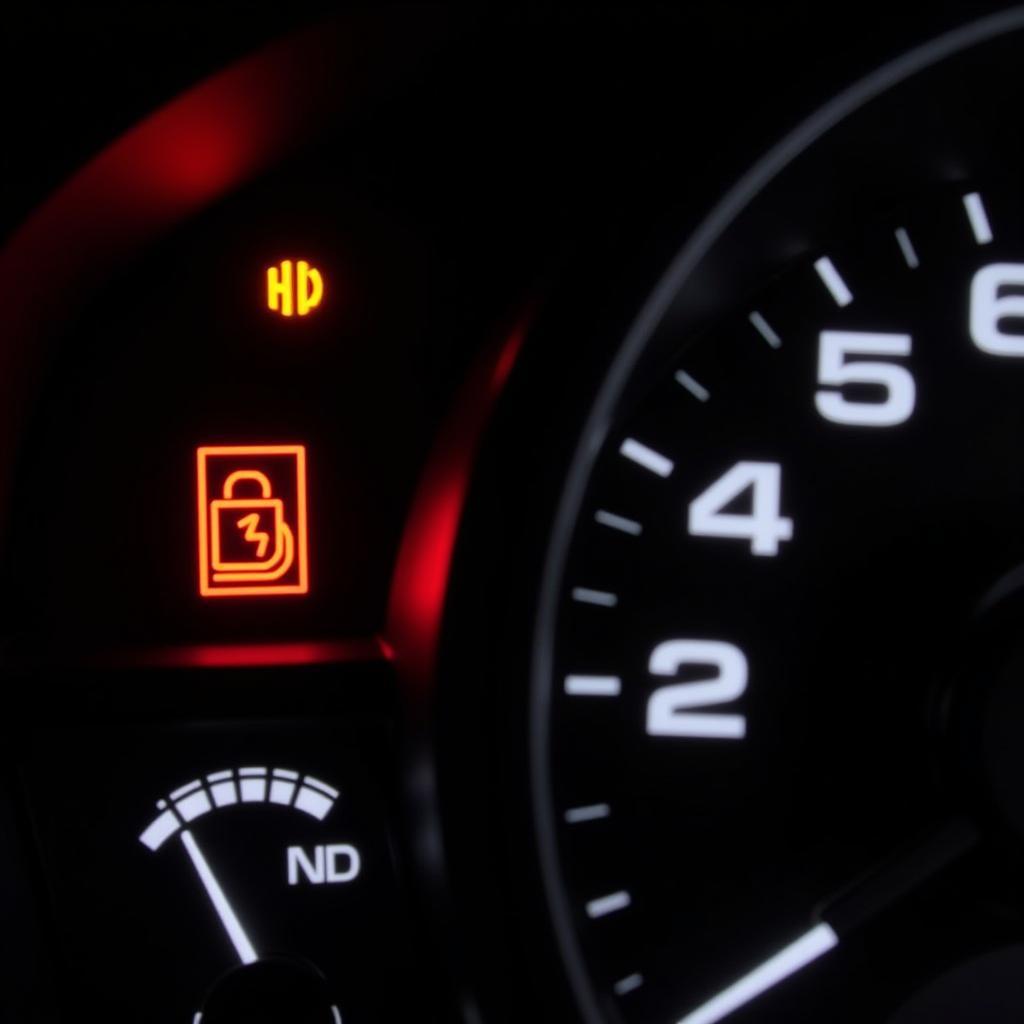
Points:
(778, 700)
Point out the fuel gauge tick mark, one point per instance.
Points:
(245, 785)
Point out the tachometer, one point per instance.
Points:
(777, 705)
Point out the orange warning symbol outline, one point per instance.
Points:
(290, 547)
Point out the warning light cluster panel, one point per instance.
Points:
(233, 429)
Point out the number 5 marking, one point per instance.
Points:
(834, 369)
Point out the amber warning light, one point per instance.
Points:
(294, 288)
(252, 520)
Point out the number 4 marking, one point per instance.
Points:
(762, 526)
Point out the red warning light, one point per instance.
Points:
(252, 520)
(294, 288)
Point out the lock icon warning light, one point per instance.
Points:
(252, 520)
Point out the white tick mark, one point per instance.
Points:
(620, 523)
(695, 388)
(831, 279)
(598, 597)
(593, 686)
(609, 904)
(978, 217)
(592, 812)
(628, 984)
(907, 248)
(651, 460)
(765, 330)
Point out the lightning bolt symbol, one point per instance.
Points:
(258, 537)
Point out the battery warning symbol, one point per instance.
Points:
(252, 520)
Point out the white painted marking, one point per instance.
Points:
(189, 787)
(907, 248)
(281, 792)
(313, 803)
(794, 957)
(246, 953)
(224, 793)
(609, 904)
(285, 773)
(765, 329)
(695, 388)
(194, 806)
(978, 217)
(646, 457)
(593, 686)
(160, 830)
(598, 597)
(220, 776)
(628, 984)
(254, 791)
(831, 279)
(592, 812)
(620, 523)
(322, 786)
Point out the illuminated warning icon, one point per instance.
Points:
(252, 520)
(294, 288)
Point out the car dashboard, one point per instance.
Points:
(512, 514)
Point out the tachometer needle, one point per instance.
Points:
(792, 958)
(863, 900)
(220, 903)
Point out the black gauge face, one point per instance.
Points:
(779, 714)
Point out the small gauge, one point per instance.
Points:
(242, 873)
(319, 864)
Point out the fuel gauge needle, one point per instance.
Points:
(856, 906)
(227, 915)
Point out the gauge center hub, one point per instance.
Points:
(272, 991)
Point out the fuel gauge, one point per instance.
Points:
(248, 869)
(321, 864)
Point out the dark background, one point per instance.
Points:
(74, 76)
